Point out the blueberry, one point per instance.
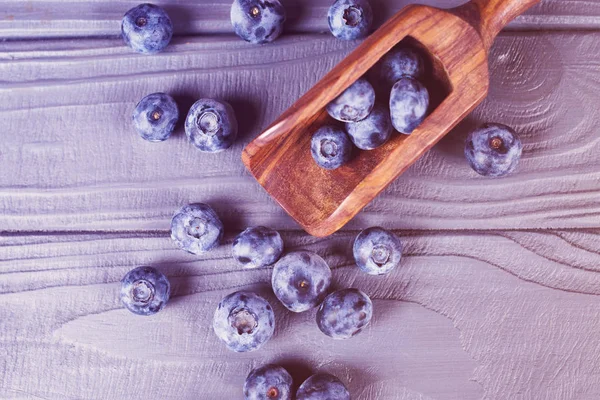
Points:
(350, 19)
(344, 313)
(409, 102)
(268, 382)
(257, 21)
(244, 321)
(377, 251)
(322, 387)
(330, 147)
(300, 280)
(257, 247)
(354, 104)
(145, 291)
(147, 28)
(399, 62)
(372, 131)
(211, 125)
(196, 228)
(493, 150)
(155, 116)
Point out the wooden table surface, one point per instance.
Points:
(496, 297)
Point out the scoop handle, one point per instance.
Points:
(490, 16)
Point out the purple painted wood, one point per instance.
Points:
(496, 297)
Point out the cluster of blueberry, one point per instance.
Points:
(368, 124)
(493, 150)
(274, 382)
(261, 21)
(300, 280)
(148, 29)
(210, 124)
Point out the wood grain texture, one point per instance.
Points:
(75, 163)
(474, 312)
(468, 315)
(49, 18)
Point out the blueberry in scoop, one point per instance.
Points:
(409, 102)
(331, 147)
(401, 61)
(354, 104)
(373, 131)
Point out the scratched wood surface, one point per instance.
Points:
(498, 293)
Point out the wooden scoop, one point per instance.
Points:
(456, 41)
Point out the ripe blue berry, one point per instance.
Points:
(409, 102)
(147, 28)
(331, 147)
(377, 251)
(257, 247)
(145, 291)
(354, 104)
(300, 280)
(493, 150)
(257, 21)
(155, 116)
(211, 125)
(400, 61)
(268, 382)
(244, 321)
(350, 19)
(372, 131)
(344, 313)
(196, 228)
(322, 387)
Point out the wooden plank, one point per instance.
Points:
(52, 18)
(72, 162)
(467, 315)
